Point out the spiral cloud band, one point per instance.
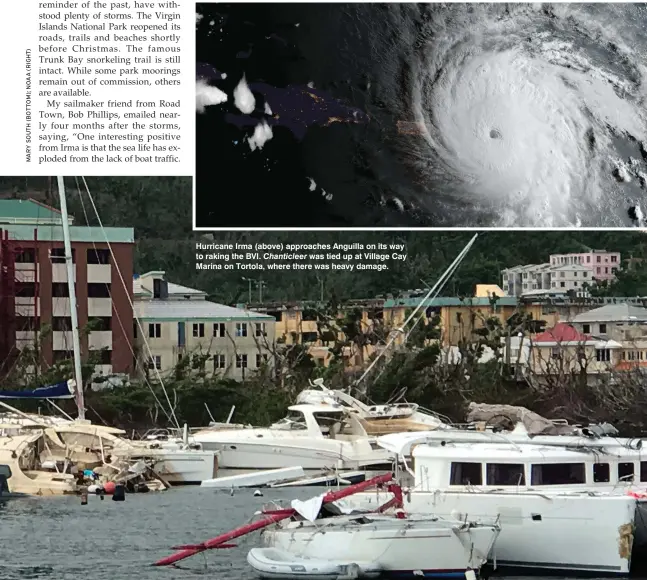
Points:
(528, 115)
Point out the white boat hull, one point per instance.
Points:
(539, 531)
(255, 479)
(276, 454)
(418, 546)
(185, 467)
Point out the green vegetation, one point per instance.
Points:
(160, 211)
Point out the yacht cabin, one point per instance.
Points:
(509, 466)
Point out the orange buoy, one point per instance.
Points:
(109, 487)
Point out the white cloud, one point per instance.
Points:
(243, 98)
(206, 95)
(262, 134)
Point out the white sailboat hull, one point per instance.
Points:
(566, 533)
(415, 546)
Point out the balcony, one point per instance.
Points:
(99, 307)
(61, 307)
(99, 339)
(26, 272)
(59, 273)
(99, 274)
(26, 338)
(62, 340)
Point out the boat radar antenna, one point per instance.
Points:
(69, 260)
(433, 292)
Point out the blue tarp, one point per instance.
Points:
(58, 391)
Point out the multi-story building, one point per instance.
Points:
(571, 278)
(34, 293)
(603, 264)
(604, 340)
(527, 279)
(175, 321)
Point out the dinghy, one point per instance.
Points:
(270, 564)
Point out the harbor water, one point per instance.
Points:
(60, 539)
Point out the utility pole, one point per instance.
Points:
(249, 289)
(260, 283)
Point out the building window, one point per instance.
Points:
(155, 330)
(602, 354)
(615, 259)
(260, 329)
(555, 352)
(558, 474)
(588, 259)
(261, 360)
(585, 274)
(60, 290)
(241, 329)
(606, 270)
(96, 290)
(57, 255)
(603, 328)
(61, 323)
(562, 274)
(26, 289)
(219, 329)
(309, 337)
(98, 256)
(156, 362)
(219, 361)
(599, 259)
(62, 355)
(198, 330)
(241, 361)
(105, 356)
(135, 328)
(625, 471)
(505, 474)
(601, 473)
(100, 323)
(26, 256)
(586, 328)
(562, 284)
(466, 474)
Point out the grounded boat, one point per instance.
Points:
(408, 546)
(315, 437)
(315, 541)
(540, 495)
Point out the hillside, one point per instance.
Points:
(159, 208)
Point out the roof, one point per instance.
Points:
(143, 285)
(54, 233)
(180, 310)
(561, 332)
(448, 301)
(622, 312)
(28, 211)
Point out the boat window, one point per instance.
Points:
(643, 471)
(558, 473)
(505, 474)
(293, 422)
(601, 473)
(625, 471)
(466, 474)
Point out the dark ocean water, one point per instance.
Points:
(59, 539)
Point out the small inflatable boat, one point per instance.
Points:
(270, 563)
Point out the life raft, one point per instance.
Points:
(270, 564)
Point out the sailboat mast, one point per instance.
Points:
(76, 343)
